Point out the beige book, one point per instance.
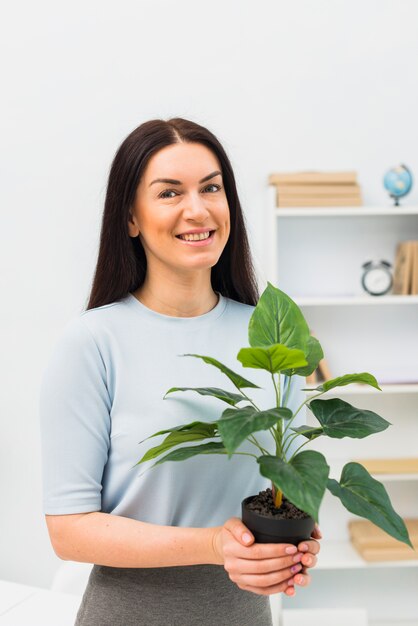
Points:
(365, 534)
(312, 379)
(320, 202)
(401, 553)
(414, 276)
(313, 177)
(403, 268)
(390, 466)
(373, 544)
(324, 370)
(318, 190)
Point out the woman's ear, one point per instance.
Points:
(132, 226)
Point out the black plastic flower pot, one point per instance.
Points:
(275, 530)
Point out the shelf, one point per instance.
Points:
(342, 555)
(357, 389)
(354, 300)
(362, 211)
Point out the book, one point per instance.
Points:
(312, 379)
(388, 554)
(313, 177)
(320, 202)
(324, 370)
(403, 268)
(373, 544)
(407, 465)
(414, 273)
(317, 190)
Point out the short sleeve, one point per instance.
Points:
(74, 415)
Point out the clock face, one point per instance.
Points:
(377, 281)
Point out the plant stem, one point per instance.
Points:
(252, 439)
(246, 454)
(297, 450)
(303, 403)
(286, 389)
(289, 440)
(247, 398)
(276, 389)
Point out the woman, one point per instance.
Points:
(161, 548)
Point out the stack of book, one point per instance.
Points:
(370, 541)
(405, 274)
(316, 189)
(405, 465)
(373, 544)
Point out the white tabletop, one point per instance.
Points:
(23, 605)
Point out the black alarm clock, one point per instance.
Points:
(377, 278)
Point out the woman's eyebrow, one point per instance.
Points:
(178, 182)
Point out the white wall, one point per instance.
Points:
(285, 85)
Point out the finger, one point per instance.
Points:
(270, 579)
(263, 566)
(316, 533)
(268, 551)
(239, 531)
(266, 591)
(311, 546)
(309, 560)
(290, 591)
(303, 580)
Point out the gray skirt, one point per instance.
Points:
(191, 595)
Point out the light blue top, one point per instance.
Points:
(102, 393)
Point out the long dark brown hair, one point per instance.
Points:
(121, 264)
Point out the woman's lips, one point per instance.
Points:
(202, 242)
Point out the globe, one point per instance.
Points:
(398, 182)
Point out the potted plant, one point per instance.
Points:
(281, 344)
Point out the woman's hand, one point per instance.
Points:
(263, 568)
(309, 549)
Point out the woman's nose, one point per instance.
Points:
(195, 206)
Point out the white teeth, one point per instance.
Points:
(195, 236)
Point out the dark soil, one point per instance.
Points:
(263, 504)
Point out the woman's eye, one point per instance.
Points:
(167, 191)
(162, 195)
(213, 185)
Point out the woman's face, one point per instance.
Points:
(163, 210)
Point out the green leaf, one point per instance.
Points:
(201, 431)
(303, 480)
(340, 419)
(236, 425)
(347, 379)
(278, 319)
(275, 358)
(313, 355)
(308, 431)
(237, 379)
(365, 496)
(221, 394)
(181, 454)
(196, 426)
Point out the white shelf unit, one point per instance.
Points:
(315, 256)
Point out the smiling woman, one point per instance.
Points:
(174, 275)
(178, 171)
